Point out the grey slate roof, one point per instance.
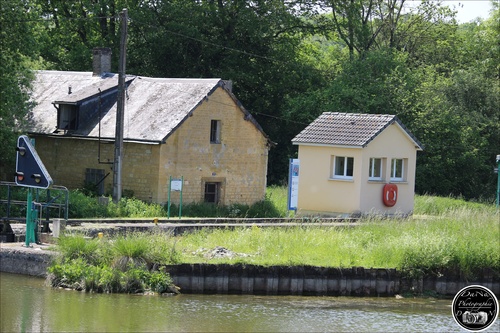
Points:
(348, 129)
(154, 107)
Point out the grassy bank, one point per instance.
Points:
(127, 264)
(465, 240)
(445, 234)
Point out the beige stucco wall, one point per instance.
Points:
(239, 162)
(391, 143)
(320, 194)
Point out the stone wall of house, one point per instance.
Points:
(238, 162)
(67, 161)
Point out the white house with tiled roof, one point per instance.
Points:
(191, 128)
(356, 164)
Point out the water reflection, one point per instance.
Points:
(27, 305)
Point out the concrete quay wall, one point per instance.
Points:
(18, 259)
(273, 280)
(311, 280)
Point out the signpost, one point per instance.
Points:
(31, 173)
(498, 184)
(293, 184)
(176, 186)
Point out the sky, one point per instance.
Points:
(468, 10)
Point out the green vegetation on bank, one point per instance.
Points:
(460, 240)
(273, 205)
(445, 234)
(129, 264)
(84, 206)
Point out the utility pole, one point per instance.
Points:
(120, 108)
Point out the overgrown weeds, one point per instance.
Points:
(445, 234)
(84, 206)
(459, 241)
(131, 263)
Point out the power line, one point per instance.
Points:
(206, 42)
(63, 18)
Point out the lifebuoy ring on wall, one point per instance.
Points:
(390, 194)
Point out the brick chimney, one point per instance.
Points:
(101, 62)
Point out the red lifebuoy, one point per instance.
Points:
(390, 194)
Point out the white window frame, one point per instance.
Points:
(371, 171)
(344, 174)
(394, 170)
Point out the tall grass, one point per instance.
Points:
(444, 234)
(130, 263)
(463, 240)
(433, 205)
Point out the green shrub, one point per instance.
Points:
(132, 207)
(79, 247)
(129, 263)
(69, 274)
(263, 209)
(110, 280)
(130, 251)
(83, 206)
(134, 279)
(159, 282)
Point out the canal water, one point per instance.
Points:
(28, 305)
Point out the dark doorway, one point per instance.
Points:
(212, 192)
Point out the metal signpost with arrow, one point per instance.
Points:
(31, 173)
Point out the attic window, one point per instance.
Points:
(67, 117)
(215, 126)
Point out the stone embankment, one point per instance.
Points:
(273, 280)
(19, 259)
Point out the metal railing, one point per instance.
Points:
(12, 196)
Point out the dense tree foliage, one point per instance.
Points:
(289, 62)
(18, 56)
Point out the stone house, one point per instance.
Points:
(356, 164)
(190, 128)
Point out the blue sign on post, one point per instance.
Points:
(498, 185)
(293, 184)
